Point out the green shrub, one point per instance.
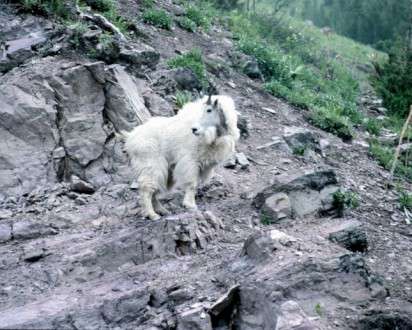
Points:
(198, 16)
(343, 200)
(373, 126)
(157, 18)
(192, 60)
(385, 156)
(331, 120)
(101, 5)
(182, 97)
(147, 3)
(405, 200)
(394, 81)
(45, 7)
(187, 24)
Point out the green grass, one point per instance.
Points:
(373, 126)
(405, 200)
(345, 199)
(187, 24)
(385, 156)
(182, 97)
(318, 309)
(306, 68)
(101, 5)
(55, 8)
(192, 60)
(158, 18)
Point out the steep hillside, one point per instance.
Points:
(301, 230)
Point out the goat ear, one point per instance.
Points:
(209, 100)
(215, 104)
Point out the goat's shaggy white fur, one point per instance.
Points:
(181, 150)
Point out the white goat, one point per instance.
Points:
(181, 150)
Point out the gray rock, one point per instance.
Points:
(5, 232)
(34, 253)
(251, 69)
(300, 139)
(27, 229)
(292, 317)
(194, 319)
(157, 105)
(181, 295)
(242, 160)
(80, 186)
(125, 107)
(351, 235)
(309, 191)
(144, 55)
(186, 79)
(224, 303)
(258, 247)
(230, 163)
(276, 208)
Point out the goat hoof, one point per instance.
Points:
(163, 211)
(190, 207)
(152, 216)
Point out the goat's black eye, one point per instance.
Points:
(209, 110)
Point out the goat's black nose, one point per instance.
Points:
(194, 129)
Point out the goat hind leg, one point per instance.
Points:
(159, 208)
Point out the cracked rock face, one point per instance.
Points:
(62, 116)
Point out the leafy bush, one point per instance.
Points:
(157, 18)
(405, 200)
(182, 97)
(192, 60)
(344, 199)
(385, 156)
(101, 5)
(373, 126)
(45, 7)
(331, 120)
(394, 80)
(198, 16)
(187, 24)
(147, 3)
(301, 69)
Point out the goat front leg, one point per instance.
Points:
(189, 200)
(148, 211)
(159, 208)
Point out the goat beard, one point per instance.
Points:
(210, 135)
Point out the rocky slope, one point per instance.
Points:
(269, 249)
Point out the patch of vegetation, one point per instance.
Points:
(405, 200)
(101, 5)
(344, 199)
(199, 16)
(299, 151)
(157, 17)
(265, 219)
(192, 60)
(373, 126)
(187, 24)
(385, 157)
(78, 28)
(331, 120)
(304, 69)
(394, 80)
(318, 309)
(147, 3)
(182, 97)
(45, 7)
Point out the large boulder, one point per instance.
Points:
(63, 116)
(309, 191)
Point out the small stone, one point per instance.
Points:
(230, 163)
(30, 229)
(5, 233)
(34, 254)
(5, 214)
(351, 235)
(194, 319)
(277, 207)
(242, 160)
(80, 186)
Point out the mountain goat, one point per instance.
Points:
(181, 150)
